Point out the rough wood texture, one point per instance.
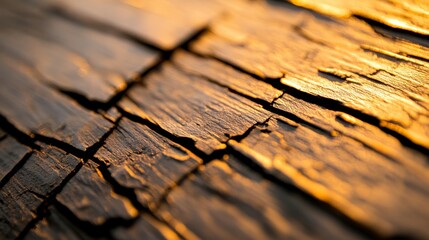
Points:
(331, 122)
(226, 76)
(93, 64)
(344, 62)
(339, 123)
(141, 159)
(91, 199)
(407, 15)
(344, 173)
(22, 194)
(237, 203)
(11, 153)
(193, 108)
(218, 119)
(35, 108)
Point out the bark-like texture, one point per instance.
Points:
(364, 184)
(141, 159)
(192, 108)
(36, 109)
(130, 119)
(341, 63)
(22, 195)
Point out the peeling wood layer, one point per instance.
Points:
(335, 63)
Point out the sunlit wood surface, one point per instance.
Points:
(217, 119)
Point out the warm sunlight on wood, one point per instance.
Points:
(214, 119)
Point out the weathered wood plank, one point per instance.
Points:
(93, 64)
(191, 107)
(91, 199)
(225, 75)
(165, 24)
(224, 202)
(56, 226)
(11, 153)
(143, 160)
(35, 108)
(344, 62)
(407, 15)
(376, 191)
(337, 122)
(26, 190)
(332, 122)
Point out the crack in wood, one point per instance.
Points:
(41, 210)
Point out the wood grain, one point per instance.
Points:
(343, 63)
(36, 109)
(11, 153)
(145, 161)
(387, 195)
(331, 122)
(91, 199)
(130, 119)
(22, 194)
(193, 108)
(237, 203)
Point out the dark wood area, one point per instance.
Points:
(217, 119)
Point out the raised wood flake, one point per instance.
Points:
(331, 122)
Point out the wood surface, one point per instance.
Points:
(218, 119)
